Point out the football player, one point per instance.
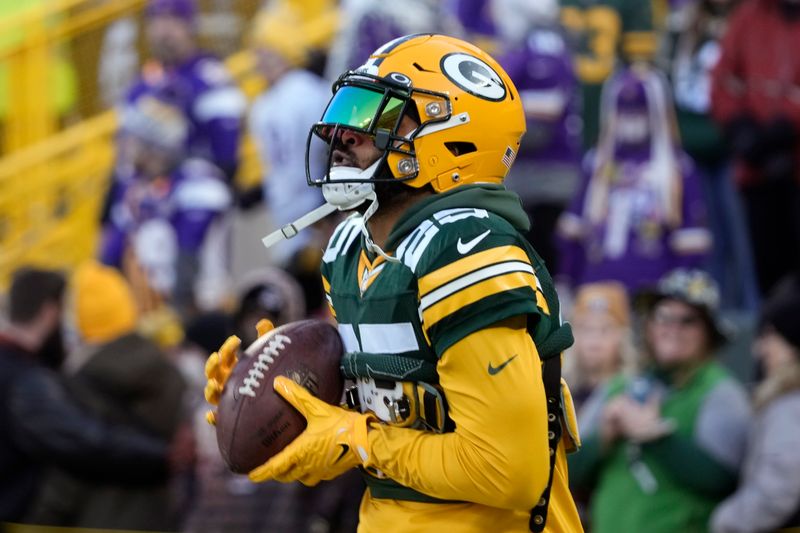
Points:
(458, 417)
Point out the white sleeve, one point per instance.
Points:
(722, 422)
(770, 492)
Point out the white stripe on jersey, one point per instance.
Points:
(447, 216)
(380, 338)
(456, 285)
(349, 338)
(343, 237)
(388, 338)
(411, 249)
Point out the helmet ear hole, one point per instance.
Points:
(458, 148)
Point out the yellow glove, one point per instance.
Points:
(334, 441)
(220, 364)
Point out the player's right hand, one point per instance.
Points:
(220, 364)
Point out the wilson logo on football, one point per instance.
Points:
(267, 357)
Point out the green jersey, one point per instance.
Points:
(460, 265)
(459, 268)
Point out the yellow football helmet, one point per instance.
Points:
(469, 113)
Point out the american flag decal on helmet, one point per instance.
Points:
(508, 157)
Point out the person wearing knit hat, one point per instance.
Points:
(104, 305)
(682, 412)
(124, 378)
(768, 496)
(605, 296)
(603, 340)
(601, 321)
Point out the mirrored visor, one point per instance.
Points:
(359, 107)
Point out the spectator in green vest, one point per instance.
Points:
(667, 446)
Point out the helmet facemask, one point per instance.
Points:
(375, 107)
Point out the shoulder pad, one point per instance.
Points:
(473, 269)
(451, 234)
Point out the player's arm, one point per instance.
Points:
(497, 454)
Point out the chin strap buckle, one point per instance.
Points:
(290, 230)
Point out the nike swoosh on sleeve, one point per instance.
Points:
(345, 449)
(465, 247)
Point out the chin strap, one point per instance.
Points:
(367, 238)
(341, 193)
(290, 230)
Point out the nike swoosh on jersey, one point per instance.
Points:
(495, 369)
(464, 247)
(345, 449)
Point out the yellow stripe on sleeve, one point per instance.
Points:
(468, 264)
(541, 302)
(326, 285)
(474, 293)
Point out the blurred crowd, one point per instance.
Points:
(661, 173)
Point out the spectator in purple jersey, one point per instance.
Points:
(164, 227)
(196, 81)
(547, 169)
(639, 212)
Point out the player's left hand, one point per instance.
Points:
(221, 363)
(334, 441)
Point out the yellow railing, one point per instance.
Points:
(51, 195)
(51, 191)
(30, 60)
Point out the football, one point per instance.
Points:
(253, 421)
